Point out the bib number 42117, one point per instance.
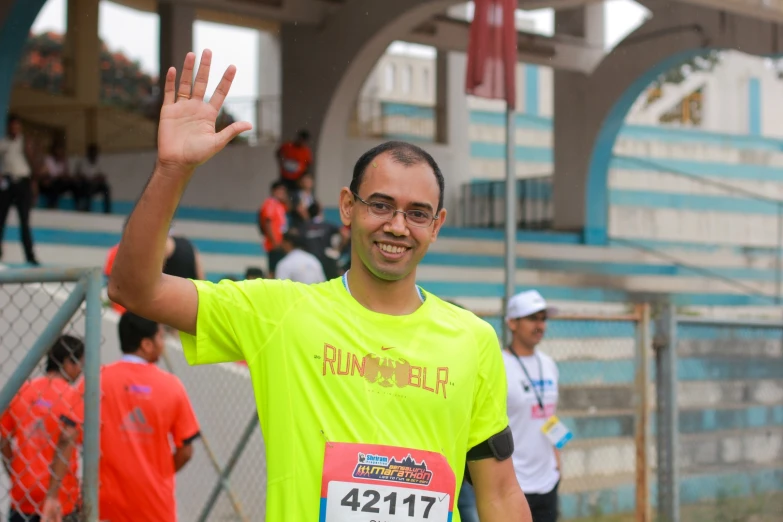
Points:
(368, 484)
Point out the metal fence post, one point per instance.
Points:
(667, 432)
(92, 395)
(642, 429)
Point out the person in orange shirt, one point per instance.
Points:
(294, 158)
(32, 421)
(273, 223)
(142, 409)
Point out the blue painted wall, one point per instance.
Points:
(532, 90)
(754, 107)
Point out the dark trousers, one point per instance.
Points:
(18, 193)
(543, 506)
(90, 187)
(15, 516)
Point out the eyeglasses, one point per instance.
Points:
(386, 211)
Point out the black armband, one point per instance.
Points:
(499, 446)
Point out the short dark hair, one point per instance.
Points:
(276, 185)
(133, 329)
(303, 134)
(11, 118)
(64, 348)
(254, 271)
(314, 210)
(403, 153)
(293, 236)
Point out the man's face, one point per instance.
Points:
(154, 347)
(306, 182)
(392, 248)
(15, 127)
(528, 331)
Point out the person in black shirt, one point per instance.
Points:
(324, 241)
(182, 259)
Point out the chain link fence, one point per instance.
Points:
(37, 368)
(721, 419)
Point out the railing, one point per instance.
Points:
(382, 119)
(764, 237)
(484, 206)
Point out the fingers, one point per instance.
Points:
(221, 91)
(186, 78)
(202, 77)
(232, 131)
(168, 88)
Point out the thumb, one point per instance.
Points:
(232, 131)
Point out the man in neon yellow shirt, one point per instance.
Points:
(372, 393)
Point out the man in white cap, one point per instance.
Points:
(532, 378)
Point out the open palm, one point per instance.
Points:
(186, 134)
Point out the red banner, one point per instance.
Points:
(492, 51)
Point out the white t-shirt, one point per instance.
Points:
(534, 456)
(13, 158)
(301, 267)
(54, 167)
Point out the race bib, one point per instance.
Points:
(291, 165)
(371, 483)
(556, 432)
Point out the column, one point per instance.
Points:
(442, 108)
(269, 85)
(572, 140)
(176, 36)
(81, 60)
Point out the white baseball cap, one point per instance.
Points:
(525, 304)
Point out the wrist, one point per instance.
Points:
(173, 171)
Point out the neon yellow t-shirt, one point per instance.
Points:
(364, 415)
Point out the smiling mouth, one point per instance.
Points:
(392, 249)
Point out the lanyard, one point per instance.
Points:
(539, 397)
(345, 284)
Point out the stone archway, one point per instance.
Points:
(601, 101)
(324, 69)
(15, 23)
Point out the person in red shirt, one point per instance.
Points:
(143, 408)
(32, 421)
(294, 158)
(273, 223)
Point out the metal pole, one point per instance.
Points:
(668, 419)
(41, 345)
(212, 458)
(92, 396)
(232, 460)
(642, 431)
(511, 217)
(778, 254)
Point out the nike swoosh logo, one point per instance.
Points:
(384, 348)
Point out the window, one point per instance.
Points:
(389, 79)
(407, 79)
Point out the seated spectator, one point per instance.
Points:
(254, 272)
(91, 180)
(55, 178)
(297, 265)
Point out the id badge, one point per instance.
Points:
(366, 483)
(556, 432)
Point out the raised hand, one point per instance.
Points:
(186, 134)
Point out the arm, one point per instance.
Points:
(186, 139)
(182, 455)
(52, 511)
(266, 229)
(498, 496)
(7, 454)
(559, 462)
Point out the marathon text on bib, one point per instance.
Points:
(372, 483)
